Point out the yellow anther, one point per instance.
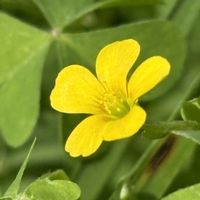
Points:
(115, 105)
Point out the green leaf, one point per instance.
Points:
(93, 177)
(56, 175)
(55, 186)
(53, 190)
(24, 9)
(188, 193)
(167, 162)
(110, 3)
(166, 33)
(61, 13)
(193, 135)
(167, 108)
(22, 55)
(191, 110)
(169, 105)
(14, 187)
(164, 10)
(162, 129)
(189, 11)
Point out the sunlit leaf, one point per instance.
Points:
(14, 187)
(55, 186)
(189, 193)
(193, 135)
(22, 55)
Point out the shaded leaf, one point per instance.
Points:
(162, 129)
(110, 3)
(191, 110)
(168, 108)
(189, 11)
(166, 33)
(61, 13)
(24, 9)
(56, 175)
(86, 47)
(92, 188)
(167, 162)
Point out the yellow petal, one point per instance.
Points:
(114, 62)
(125, 126)
(147, 76)
(86, 138)
(77, 91)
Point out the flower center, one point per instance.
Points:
(115, 105)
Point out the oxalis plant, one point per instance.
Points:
(100, 100)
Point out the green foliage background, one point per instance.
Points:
(38, 38)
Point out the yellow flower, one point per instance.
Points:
(112, 101)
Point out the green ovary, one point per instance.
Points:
(116, 105)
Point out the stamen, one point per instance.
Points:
(115, 105)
